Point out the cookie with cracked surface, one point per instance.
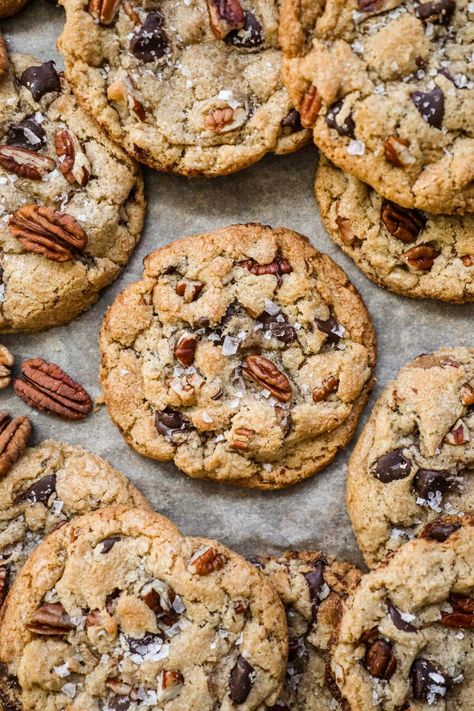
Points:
(410, 252)
(11, 7)
(117, 610)
(50, 484)
(388, 87)
(244, 355)
(312, 588)
(71, 202)
(192, 88)
(406, 638)
(415, 457)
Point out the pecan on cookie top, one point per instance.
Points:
(71, 202)
(414, 459)
(191, 87)
(244, 355)
(387, 86)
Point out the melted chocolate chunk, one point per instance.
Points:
(429, 481)
(41, 80)
(171, 424)
(347, 127)
(315, 581)
(249, 36)
(422, 683)
(26, 134)
(436, 11)
(144, 645)
(109, 543)
(39, 492)
(118, 703)
(430, 104)
(241, 681)
(292, 120)
(440, 530)
(277, 326)
(150, 41)
(392, 466)
(332, 328)
(398, 620)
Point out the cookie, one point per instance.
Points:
(410, 252)
(192, 88)
(311, 587)
(414, 459)
(117, 610)
(406, 638)
(71, 203)
(388, 88)
(50, 484)
(11, 7)
(244, 355)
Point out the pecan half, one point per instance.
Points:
(103, 10)
(189, 290)
(242, 439)
(4, 584)
(3, 56)
(225, 120)
(42, 230)
(396, 151)
(420, 257)
(185, 349)
(6, 362)
(278, 267)
(73, 162)
(402, 223)
(206, 560)
(265, 373)
(47, 387)
(310, 107)
(379, 660)
(225, 16)
(328, 386)
(25, 163)
(14, 436)
(50, 619)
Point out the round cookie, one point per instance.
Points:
(192, 87)
(50, 484)
(117, 610)
(406, 638)
(71, 202)
(311, 587)
(388, 87)
(410, 252)
(244, 355)
(414, 459)
(11, 7)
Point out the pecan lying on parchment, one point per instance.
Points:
(42, 230)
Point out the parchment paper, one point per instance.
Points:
(276, 191)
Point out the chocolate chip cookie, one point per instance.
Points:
(406, 638)
(311, 587)
(410, 252)
(71, 203)
(244, 355)
(50, 484)
(192, 87)
(387, 86)
(414, 459)
(10, 7)
(117, 610)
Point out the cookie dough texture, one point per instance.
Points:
(156, 620)
(410, 252)
(11, 7)
(37, 292)
(191, 103)
(391, 93)
(414, 458)
(244, 355)
(50, 484)
(404, 641)
(312, 588)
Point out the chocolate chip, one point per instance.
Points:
(292, 120)
(171, 424)
(437, 11)
(422, 684)
(332, 328)
(430, 104)
(398, 620)
(347, 127)
(440, 530)
(392, 466)
(277, 326)
(41, 80)
(241, 680)
(379, 660)
(118, 703)
(249, 36)
(26, 134)
(150, 41)
(40, 491)
(402, 223)
(429, 481)
(109, 543)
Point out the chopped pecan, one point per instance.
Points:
(189, 290)
(47, 387)
(25, 163)
(402, 223)
(14, 436)
(379, 659)
(130, 12)
(310, 107)
(44, 231)
(103, 10)
(467, 395)
(420, 257)
(73, 162)
(6, 362)
(278, 267)
(123, 92)
(185, 349)
(327, 387)
(265, 373)
(346, 232)
(206, 560)
(225, 120)
(4, 584)
(459, 434)
(118, 687)
(170, 683)
(396, 151)
(225, 16)
(3, 56)
(242, 440)
(50, 619)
